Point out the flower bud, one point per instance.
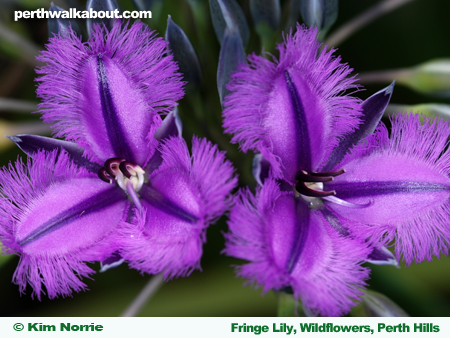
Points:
(149, 5)
(183, 52)
(231, 56)
(428, 109)
(101, 5)
(375, 304)
(60, 25)
(319, 13)
(431, 78)
(228, 14)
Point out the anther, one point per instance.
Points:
(112, 166)
(104, 176)
(304, 176)
(130, 169)
(304, 190)
(331, 173)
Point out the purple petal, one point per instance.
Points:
(290, 245)
(373, 109)
(31, 144)
(406, 179)
(51, 219)
(105, 94)
(292, 106)
(185, 194)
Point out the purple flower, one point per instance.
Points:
(58, 213)
(332, 195)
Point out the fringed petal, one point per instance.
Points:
(104, 94)
(292, 110)
(184, 195)
(406, 180)
(56, 217)
(290, 245)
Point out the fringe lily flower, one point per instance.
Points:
(331, 195)
(123, 175)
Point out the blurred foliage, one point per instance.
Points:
(409, 36)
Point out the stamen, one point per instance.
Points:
(331, 173)
(112, 166)
(104, 176)
(134, 196)
(304, 190)
(335, 200)
(124, 172)
(305, 177)
(130, 169)
(120, 181)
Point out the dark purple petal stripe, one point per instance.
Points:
(302, 230)
(116, 135)
(375, 188)
(334, 221)
(97, 202)
(31, 144)
(373, 109)
(158, 200)
(303, 140)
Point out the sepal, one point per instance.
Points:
(32, 144)
(260, 168)
(382, 256)
(372, 112)
(170, 127)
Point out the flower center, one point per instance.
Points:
(310, 187)
(311, 184)
(124, 172)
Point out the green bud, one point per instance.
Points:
(431, 78)
(374, 304)
(428, 109)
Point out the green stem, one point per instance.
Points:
(363, 19)
(143, 297)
